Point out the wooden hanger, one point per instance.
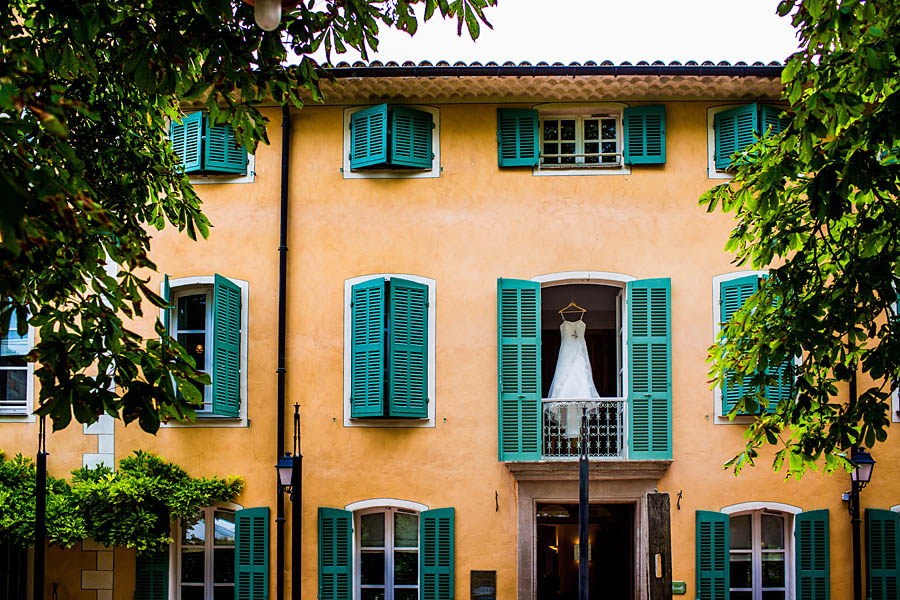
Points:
(572, 308)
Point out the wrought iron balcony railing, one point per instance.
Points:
(605, 428)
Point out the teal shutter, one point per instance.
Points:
(187, 141)
(769, 121)
(226, 375)
(436, 556)
(408, 349)
(251, 565)
(712, 555)
(519, 368)
(221, 152)
(167, 313)
(736, 129)
(645, 135)
(367, 357)
(517, 137)
(882, 554)
(732, 296)
(151, 580)
(411, 138)
(369, 137)
(335, 554)
(811, 555)
(650, 369)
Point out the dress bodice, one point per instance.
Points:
(572, 329)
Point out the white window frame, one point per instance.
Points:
(755, 510)
(374, 507)
(26, 414)
(174, 592)
(181, 285)
(207, 291)
(580, 111)
(389, 173)
(348, 354)
(248, 177)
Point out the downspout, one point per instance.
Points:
(280, 370)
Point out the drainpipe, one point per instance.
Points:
(280, 370)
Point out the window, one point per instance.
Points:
(378, 552)
(730, 292)
(207, 149)
(758, 554)
(205, 560)
(566, 138)
(208, 317)
(630, 355)
(14, 572)
(731, 129)
(388, 141)
(15, 373)
(389, 351)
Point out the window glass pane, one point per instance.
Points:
(551, 149)
(195, 344)
(192, 312)
(773, 569)
(591, 129)
(772, 532)
(406, 567)
(609, 147)
(193, 531)
(406, 593)
(406, 530)
(741, 566)
(223, 565)
(223, 592)
(13, 384)
(372, 530)
(608, 129)
(567, 149)
(591, 147)
(551, 130)
(192, 592)
(567, 129)
(13, 344)
(372, 568)
(192, 565)
(772, 595)
(372, 593)
(739, 532)
(741, 595)
(224, 529)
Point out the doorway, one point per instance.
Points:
(610, 553)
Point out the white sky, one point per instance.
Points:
(620, 30)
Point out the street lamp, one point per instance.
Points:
(290, 480)
(860, 476)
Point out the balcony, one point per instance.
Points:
(562, 428)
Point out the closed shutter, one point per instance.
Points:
(645, 135)
(226, 379)
(650, 369)
(812, 560)
(735, 130)
(519, 368)
(882, 552)
(517, 137)
(769, 121)
(367, 349)
(187, 141)
(436, 557)
(411, 138)
(221, 152)
(408, 349)
(151, 580)
(733, 295)
(251, 567)
(369, 137)
(712, 555)
(335, 547)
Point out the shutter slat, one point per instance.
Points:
(367, 349)
(251, 565)
(187, 141)
(369, 137)
(882, 552)
(221, 152)
(519, 369)
(770, 122)
(812, 558)
(226, 376)
(517, 137)
(712, 555)
(408, 348)
(152, 576)
(411, 138)
(335, 547)
(650, 369)
(735, 130)
(645, 135)
(436, 559)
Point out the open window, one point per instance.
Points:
(16, 374)
(731, 129)
(391, 141)
(207, 149)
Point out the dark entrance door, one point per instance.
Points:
(611, 556)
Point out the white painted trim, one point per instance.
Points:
(348, 331)
(28, 415)
(206, 281)
(750, 506)
(386, 503)
(249, 177)
(895, 405)
(595, 277)
(434, 171)
(895, 508)
(711, 171)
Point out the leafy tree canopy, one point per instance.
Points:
(87, 91)
(817, 205)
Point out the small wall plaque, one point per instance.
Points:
(679, 587)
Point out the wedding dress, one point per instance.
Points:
(573, 378)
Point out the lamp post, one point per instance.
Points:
(40, 511)
(859, 478)
(290, 480)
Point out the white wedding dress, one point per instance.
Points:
(573, 379)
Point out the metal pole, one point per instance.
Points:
(40, 512)
(296, 509)
(583, 540)
(854, 527)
